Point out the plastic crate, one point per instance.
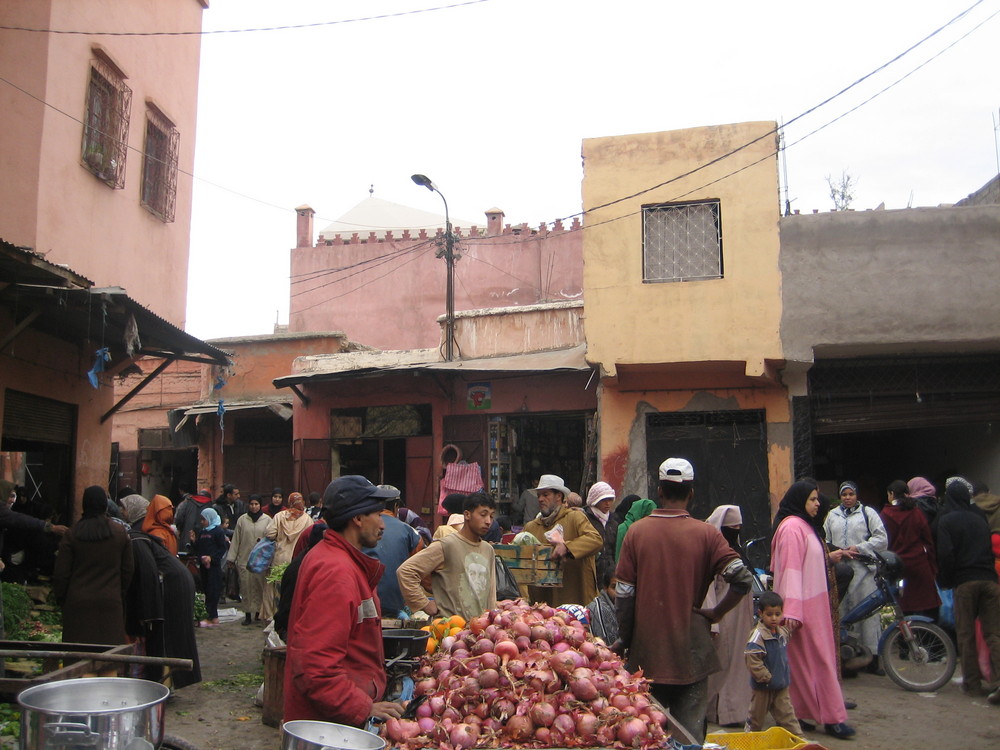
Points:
(774, 738)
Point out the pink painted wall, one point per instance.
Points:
(516, 267)
(56, 206)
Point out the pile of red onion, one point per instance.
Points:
(533, 677)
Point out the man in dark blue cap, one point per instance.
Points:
(335, 664)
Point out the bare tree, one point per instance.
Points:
(842, 190)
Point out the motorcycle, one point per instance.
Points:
(915, 653)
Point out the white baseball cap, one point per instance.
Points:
(677, 470)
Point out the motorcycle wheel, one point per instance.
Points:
(924, 666)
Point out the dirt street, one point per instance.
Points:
(214, 717)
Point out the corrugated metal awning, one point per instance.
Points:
(282, 407)
(342, 369)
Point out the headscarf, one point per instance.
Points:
(956, 498)
(292, 499)
(134, 507)
(724, 518)
(600, 491)
(920, 487)
(960, 480)
(212, 516)
(794, 504)
(93, 526)
(625, 506)
(256, 516)
(640, 509)
(159, 516)
(847, 486)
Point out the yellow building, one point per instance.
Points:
(683, 312)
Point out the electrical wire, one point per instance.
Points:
(418, 249)
(286, 27)
(362, 286)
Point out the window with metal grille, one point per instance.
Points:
(159, 165)
(105, 125)
(682, 242)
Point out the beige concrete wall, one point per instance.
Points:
(57, 206)
(732, 318)
(919, 280)
(516, 330)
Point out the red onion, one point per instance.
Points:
(657, 717)
(426, 686)
(620, 701)
(520, 627)
(543, 737)
(505, 650)
(450, 714)
(516, 668)
(540, 633)
(583, 689)
(436, 702)
(522, 642)
(586, 726)
(479, 711)
(426, 723)
(482, 646)
(631, 731)
(478, 624)
(463, 736)
(402, 730)
(488, 678)
(640, 701)
(489, 660)
(542, 714)
(598, 704)
(564, 724)
(519, 728)
(503, 709)
(561, 647)
(424, 710)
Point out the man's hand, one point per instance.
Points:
(230, 563)
(791, 624)
(559, 551)
(387, 709)
(431, 608)
(58, 528)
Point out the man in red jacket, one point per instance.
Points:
(335, 665)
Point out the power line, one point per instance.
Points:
(286, 27)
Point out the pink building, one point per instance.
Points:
(374, 273)
(97, 143)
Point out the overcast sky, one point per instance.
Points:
(492, 99)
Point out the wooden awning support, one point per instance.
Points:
(302, 397)
(132, 394)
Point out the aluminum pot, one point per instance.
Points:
(322, 735)
(104, 713)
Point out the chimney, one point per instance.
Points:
(494, 222)
(304, 226)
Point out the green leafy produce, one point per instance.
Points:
(10, 720)
(277, 571)
(16, 612)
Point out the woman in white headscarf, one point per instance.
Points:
(729, 690)
(600, 501)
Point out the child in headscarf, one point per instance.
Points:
(211, 547)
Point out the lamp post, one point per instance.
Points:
(449, 259)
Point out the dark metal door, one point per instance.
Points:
(728, 450)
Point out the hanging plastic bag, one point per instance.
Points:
(507, 587)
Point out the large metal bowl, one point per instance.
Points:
(112, 713)
(322, 735)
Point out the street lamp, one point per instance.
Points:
(449, 259)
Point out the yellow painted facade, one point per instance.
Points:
(735, 318)
(683, 346)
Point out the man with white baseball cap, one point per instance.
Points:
(580, 545)
(667, 562)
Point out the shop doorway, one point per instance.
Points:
(728, 450)
(38, 436)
